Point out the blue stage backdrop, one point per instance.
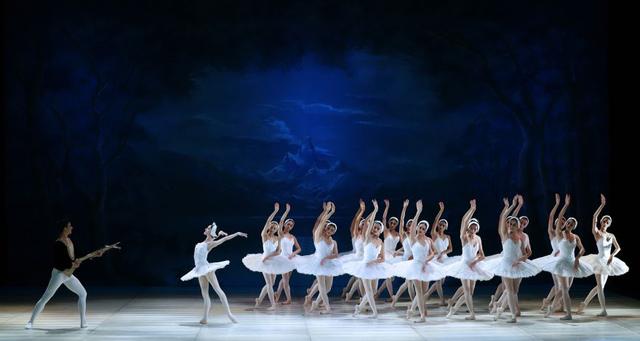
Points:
(144, 122)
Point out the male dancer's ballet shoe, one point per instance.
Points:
(566, 318)
(581, 308)
(603, 314)
(29, 325)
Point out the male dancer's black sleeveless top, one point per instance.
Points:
(61, 259)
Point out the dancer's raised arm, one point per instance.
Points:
(558, 227)
(550, 223)
(323, 221)
(283, 219)
(370, 219)
(520, 201)
(356, 219)
(436, 220)
(405, 203)
(465, 219)
(506, 210)
(414, 223)
(384, 218)
(264, 234)
(594, 223)
(214, 243)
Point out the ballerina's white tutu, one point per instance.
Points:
(563, 265)
(355, 254)
(461, 269)
(276, 265)
(362, 269)
(416, 269)
(203, 267)
(544, 260)
(599, 261)
(310, 264)
(503, 266)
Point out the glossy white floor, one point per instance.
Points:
(176, 317)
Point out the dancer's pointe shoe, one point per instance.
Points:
(518, 313)
(314, 306)
(603, 314)
(232, 318)
(548, 312)
(581, 308)
(307, 300)
(287, 302)
(203, 321)
(492, 301)
(325, 311)
(257, 303)
(512, 320)
(545, 304)
(272, 307)
(394, 301)
(470, 317)
(84, 325)
(449, 304)
(450, 313)
(499, 311)
(276, 297)
(566, 318)
(356, 311)
(29, 325)
(421, 320)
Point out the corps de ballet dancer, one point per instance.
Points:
(205, 272)
(566, 265)
(604, 263)
(442, 247)
(63, 259)
(513, 263)
(287, 242)
(391, 240)
(470, 268)
(421, 269)
(323, 263)
(270, 262)
(357, 241)
(405, 253)
(553, 224)
(372, 267)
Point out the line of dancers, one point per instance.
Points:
(422, 261)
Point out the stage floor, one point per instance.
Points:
(162, 317)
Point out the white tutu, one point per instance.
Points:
(600, 266)
(461, 270)
(278, 264)
(310, 264)
(446, 260)
(349, 257)
(544, 260)
(373, 271)
(562, 266)
(391, 259)
(413, 270)
(203, 270)
(504, 268)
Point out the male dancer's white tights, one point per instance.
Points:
(72, 283)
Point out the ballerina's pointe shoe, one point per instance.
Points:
(29, 325)
(603, 314)
(581, 308)
(232, 318)
(566, 318)
(356, 311)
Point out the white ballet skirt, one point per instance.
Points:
(310, 264)
(286, 248)
(544, 260)
(563, 265)
(416, 269)
(276, 265)
(390, 244)
(406, 246)
(599, 261)
(203, 267)
(362, 269)
(355, 254)
(503, 265)
(442, 244)
(461, 269)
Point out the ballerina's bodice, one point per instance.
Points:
(391, 242)
(323, 249)
(511, 250)
(420, 251)
(567, 249)
(358, 246)
(371, 252)
(441, 244)
(469, 251)
(406, 246)
(268, 247)
(604, 247)
(200, 253)
(286, 246)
